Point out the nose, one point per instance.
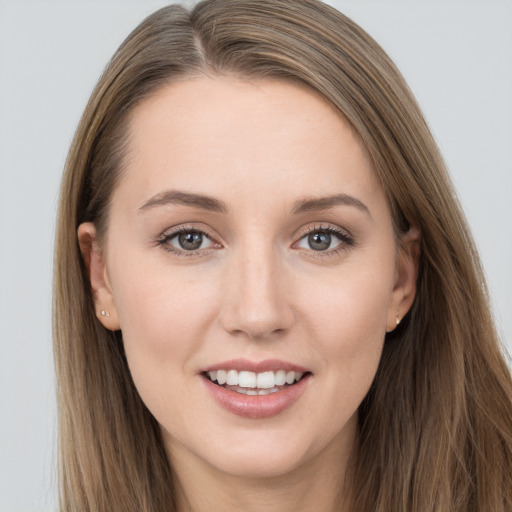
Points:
(258, 303)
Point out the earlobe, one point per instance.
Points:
(404, 289)
(101, 288)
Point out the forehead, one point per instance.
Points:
(212, 135)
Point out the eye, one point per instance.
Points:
(189, 241)
(185, 240)
(324, 239)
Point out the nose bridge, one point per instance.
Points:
(257, 304)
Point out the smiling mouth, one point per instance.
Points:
(252, 383)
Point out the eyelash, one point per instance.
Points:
(343, 236)
(346, 241)
(164, 239)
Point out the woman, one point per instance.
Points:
(266, 295)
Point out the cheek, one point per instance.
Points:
(164, 314)
(347, 316)
(159, 303)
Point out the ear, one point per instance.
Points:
(103, 296)
(406, 276)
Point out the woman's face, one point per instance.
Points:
(249, 238)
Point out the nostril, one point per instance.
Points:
(258, 308)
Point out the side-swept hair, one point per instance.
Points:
(436, 426)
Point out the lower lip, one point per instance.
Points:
(257, 406)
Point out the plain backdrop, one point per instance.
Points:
(456, 56)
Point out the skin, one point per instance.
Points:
(255, 289)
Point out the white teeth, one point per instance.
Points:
(247, 379)
(266, 380)
(262, 381)
(280, 378)
(232, 378)
(254, 392)
(221, 377)
(267, 391)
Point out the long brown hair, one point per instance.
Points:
(436, 426)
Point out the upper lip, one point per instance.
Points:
(267, 365)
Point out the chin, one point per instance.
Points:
(262, 464)
(270, 452)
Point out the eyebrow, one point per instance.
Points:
(215, 205)
(185, 199)
(325, 203)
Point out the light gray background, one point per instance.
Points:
(456, 55)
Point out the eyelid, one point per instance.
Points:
(330, 228)
(343, 235)
(174, 231)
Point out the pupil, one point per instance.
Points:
(319, 241)
(190, 241)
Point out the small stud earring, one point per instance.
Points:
(397, 319)
(104, 313)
